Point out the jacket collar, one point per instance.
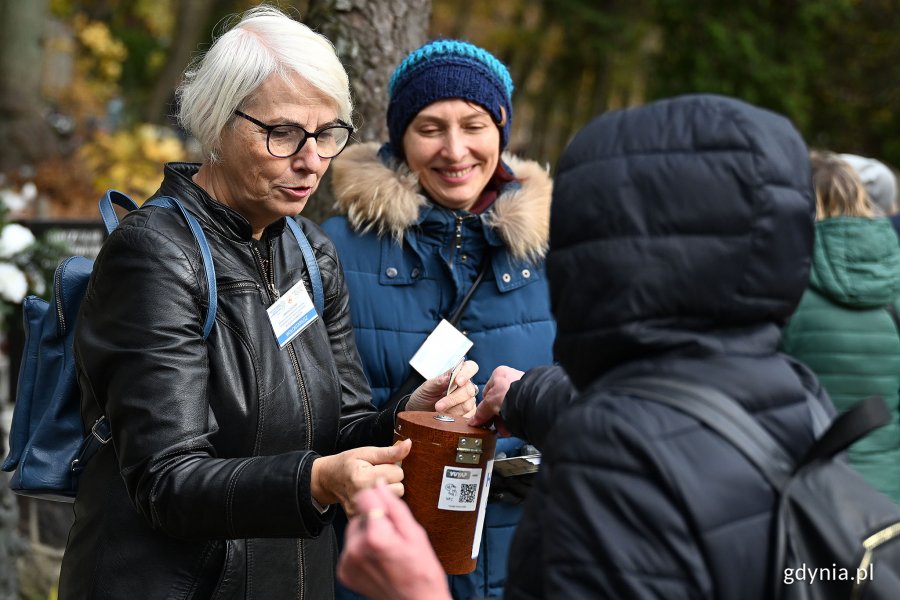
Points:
(387, 198)
(178, 182)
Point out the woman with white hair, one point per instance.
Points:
(229, 452)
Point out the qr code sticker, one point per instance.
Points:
(468, 492)
(459, 489)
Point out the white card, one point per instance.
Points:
(441, 351)
(291, 314)
(482, 506)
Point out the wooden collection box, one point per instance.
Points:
(446, 478)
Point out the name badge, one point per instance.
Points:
(442, 350)
(291, 314)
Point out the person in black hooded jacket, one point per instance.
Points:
(680, 243)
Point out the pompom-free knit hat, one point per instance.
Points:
(444, 69)
(881, 185)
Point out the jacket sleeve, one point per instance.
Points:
(604, 521)
(141, 354)
(534, 402)
(361, 424)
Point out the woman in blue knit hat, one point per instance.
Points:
(433, 214)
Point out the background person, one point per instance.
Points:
(845, 328)
(879, 181)
(227, 454)
(424, 216)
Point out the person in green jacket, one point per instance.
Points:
(846, 327)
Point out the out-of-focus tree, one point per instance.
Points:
(857, 91)
(569, 60)
(128, 58)
(190, 27)
(827, 64)
(371, 37)
(830, 65)
(765, 52)
(25, 135)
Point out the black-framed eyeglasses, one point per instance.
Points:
(283, 141)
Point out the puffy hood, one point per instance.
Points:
(387, 199)
(686, 225)
(856, 261)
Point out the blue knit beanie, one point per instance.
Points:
(444, 69)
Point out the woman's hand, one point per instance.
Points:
(488, 412)
(387, 555)
(432, 394)
(337, 478)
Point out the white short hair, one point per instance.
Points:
(264, 42)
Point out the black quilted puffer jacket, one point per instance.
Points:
(681, 235)
(204, 491)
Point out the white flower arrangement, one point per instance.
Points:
(25, 262)
(13, 284)
(14, 238)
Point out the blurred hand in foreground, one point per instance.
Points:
(387, 555)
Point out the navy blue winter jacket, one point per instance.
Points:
(408, 263)
(680, 243)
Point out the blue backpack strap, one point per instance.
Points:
(200, 237)
(108, 213)
(101, 433)
(315, 276)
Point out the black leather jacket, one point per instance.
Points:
(204, 491)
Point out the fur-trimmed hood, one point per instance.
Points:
(375, 196)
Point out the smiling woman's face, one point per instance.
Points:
(256, 184)
(454, 147)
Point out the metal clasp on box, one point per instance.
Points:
(468, 451)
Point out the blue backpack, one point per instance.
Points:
(48, 446)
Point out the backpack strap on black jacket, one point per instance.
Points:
(729, 419)
(865, 416)
(721, 414)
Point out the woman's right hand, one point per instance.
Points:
(432, 394)
(337, 478)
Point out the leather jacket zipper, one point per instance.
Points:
(301, 558)
(268, 272)
(304, 394)
(57, 294)
(239, 285)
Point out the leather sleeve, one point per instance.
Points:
(533, 403)
(141, 354)
(360, 422)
